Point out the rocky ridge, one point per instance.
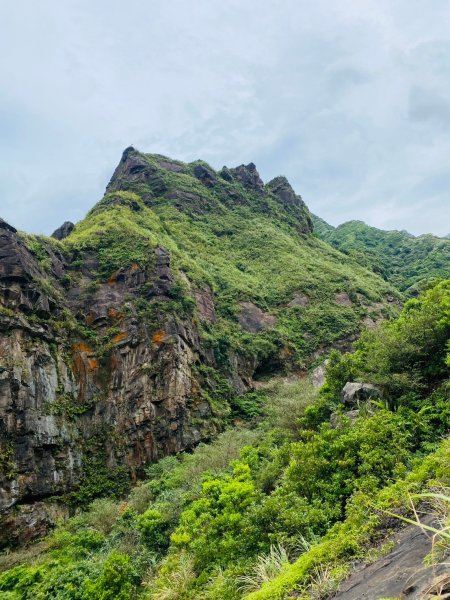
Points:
(112, 356)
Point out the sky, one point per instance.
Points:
(350, 99)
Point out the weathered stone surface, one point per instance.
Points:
(205, 175)
(318, 375)
(134, 169)
(253, 319)
(205, 304)
(343, 299)
(401, 574)
(337, 419)
(299, 300)
(64, 230)
(353, 393)
(170, 165)
(248, 176)
(7, 226)
(291, 202)
(28, 522)
(138, 399)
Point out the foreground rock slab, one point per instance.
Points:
(401, 574)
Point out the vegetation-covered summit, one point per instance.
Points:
(402, 259)
(277, 290)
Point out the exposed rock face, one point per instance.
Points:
(205, 304)
(343, 299)
(27, 522)
(129, 396)
(353, 393)
(205, 175)
(253, 319)
(134, 169)
(401, 574)
(248, 176)
(299, 300)
(62, 232)
(282, 190)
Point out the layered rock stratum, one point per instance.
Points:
(126, 337)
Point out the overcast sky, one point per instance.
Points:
(350, 99)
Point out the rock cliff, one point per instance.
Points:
(122, 339)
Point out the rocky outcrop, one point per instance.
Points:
(247, 176)
(64, 230)
(253, 319)
(343, 299)
(131, 392)
(205, 304)
(134, 169)
(299, 300)
(282, 190)
(205, 175)
(401, 574)
(354, 393)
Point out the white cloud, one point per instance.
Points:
(349, 99)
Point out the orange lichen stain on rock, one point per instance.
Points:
(83, 359)
(92, 364)
(119, 337)
(158, 337)
(82, 347)
(84, 364)
(113, 278)
(115, 314)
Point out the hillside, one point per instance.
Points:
(134, 334)
(406, 261)
(289, 505)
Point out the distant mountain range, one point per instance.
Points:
(406, 261)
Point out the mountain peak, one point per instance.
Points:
(248, 177)
(291, 202)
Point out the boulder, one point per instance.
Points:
(64, 230)
(403, 573)
(253, 319)
(205, 175)
(353, 393)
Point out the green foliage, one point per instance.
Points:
(153, 527)
(97, 479)
(406, 261)
(213, 527)
(244, 247)
(405, 357)
(201, 523)
(116, 581)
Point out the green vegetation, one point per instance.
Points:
(245, 246)
(406, 261)
(264, 512)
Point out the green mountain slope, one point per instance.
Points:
(281, 510)
(146, 322)
(279, 293)
(399, 257)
